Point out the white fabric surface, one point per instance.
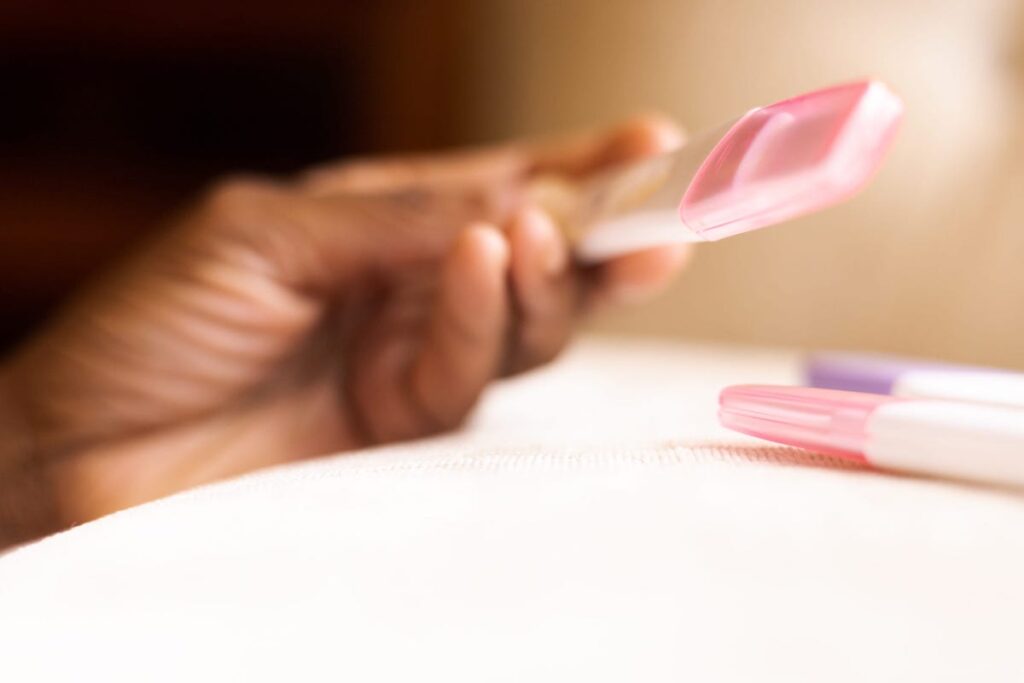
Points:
(593, 524)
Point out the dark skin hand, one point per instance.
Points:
(363, 303)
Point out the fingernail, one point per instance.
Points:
(554, 255)
(665, 132)
(493, 241)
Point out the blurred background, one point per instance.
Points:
(115, 113)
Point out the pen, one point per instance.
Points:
(942, 438)
(913, 378)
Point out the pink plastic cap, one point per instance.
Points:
(791, 158)
(820, 420)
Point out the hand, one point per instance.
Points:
(362, 303)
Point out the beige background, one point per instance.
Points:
(930, 260)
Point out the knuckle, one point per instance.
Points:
(441, 421)
(546, 339)
(551, 345)
(230, 198)
(437, 414)
(537, 346)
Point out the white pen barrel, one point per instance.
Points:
(947, 439)
(975, 386)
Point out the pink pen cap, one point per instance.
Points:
(939, 438)
(772, 164)
(820, 420)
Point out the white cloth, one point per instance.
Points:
(593, 524)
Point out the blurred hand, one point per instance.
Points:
(363, 303)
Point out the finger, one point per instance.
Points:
(383, 339)
(639, 276)
(464, 342)
(636, 138)
(376, 389)
(545, 292)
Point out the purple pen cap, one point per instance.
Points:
(872, 373)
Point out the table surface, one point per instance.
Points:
(592, 523)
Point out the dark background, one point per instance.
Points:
(115, 113)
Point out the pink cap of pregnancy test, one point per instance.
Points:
(822, 420)
(791, 158)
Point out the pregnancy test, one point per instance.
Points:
(770, 165)
(940, 438)
(913, 378)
